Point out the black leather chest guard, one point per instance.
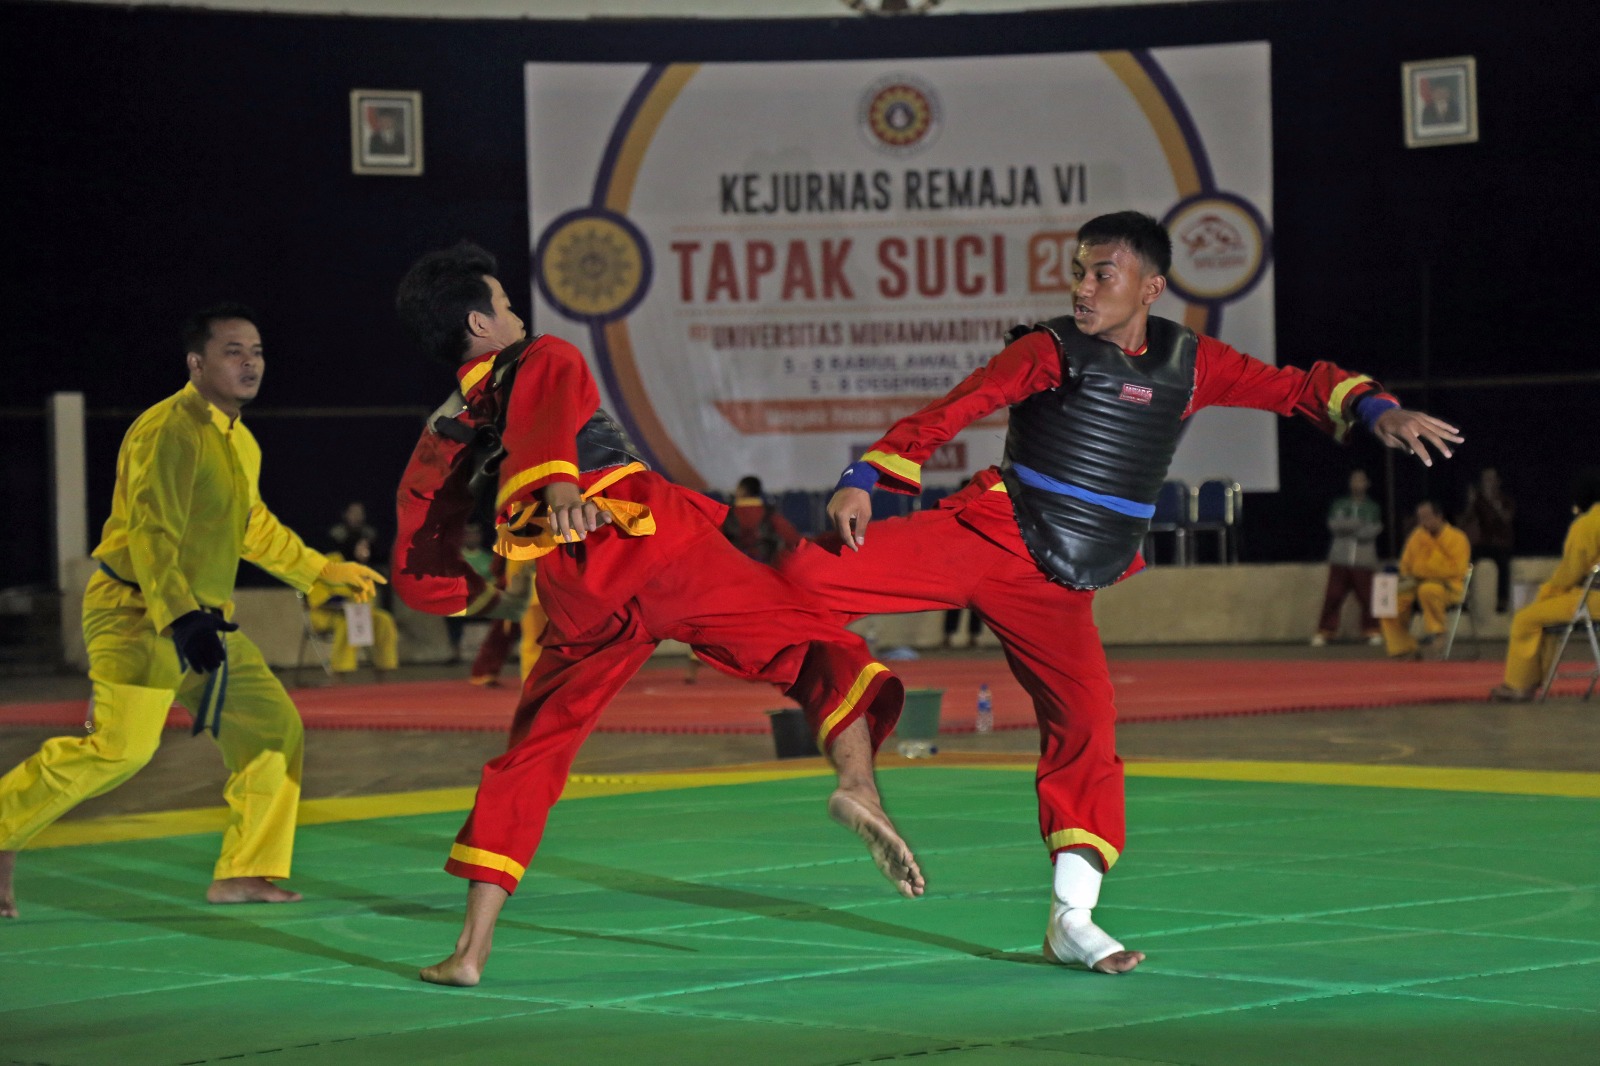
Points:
(602, 442)
(1110, 430)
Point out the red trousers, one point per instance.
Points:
(1342, 581)
(738, 615)
(934, 560)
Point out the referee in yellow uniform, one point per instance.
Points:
(187, 507)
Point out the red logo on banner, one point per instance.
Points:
(1137, 394)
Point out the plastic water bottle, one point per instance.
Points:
(985, 710)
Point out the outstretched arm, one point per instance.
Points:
(1326, 395)
(1414, 431)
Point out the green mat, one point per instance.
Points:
(732, 925)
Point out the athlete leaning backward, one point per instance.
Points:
(626, 559)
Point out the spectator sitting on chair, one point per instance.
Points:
(1558, 598)
(1487, 524)
(327, 616)
(1355, 523)
(1433, 568)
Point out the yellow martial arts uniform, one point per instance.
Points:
(186, 509)
(327, 616)
(1439, 565)
(1527, 652)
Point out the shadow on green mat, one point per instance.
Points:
(753, 903)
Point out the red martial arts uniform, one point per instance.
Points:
(610, 599)
(969, 553)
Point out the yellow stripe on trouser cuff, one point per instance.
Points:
(487, 859)
(899, 466)
(1072, 838)
(848, 704)
(1336, 398)
(528, 477)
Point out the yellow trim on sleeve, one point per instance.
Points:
(898, 465)
(528, 477)
(848, 704)
(999, 486)
(1336, 398)
(1067, 838)
(486, 859)
(475, 375)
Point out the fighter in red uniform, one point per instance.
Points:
(1097, 403)
(626, 559)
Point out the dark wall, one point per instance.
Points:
(159, 160)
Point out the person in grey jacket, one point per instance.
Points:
(1355, 523)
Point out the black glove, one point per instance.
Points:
(198, 637)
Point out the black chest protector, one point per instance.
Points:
(602, 442)
(1110, 430)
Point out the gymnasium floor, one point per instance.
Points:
(1405, 884)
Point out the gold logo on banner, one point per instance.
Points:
(900, 113)
(591, 265)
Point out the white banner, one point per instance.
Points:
(769, 263)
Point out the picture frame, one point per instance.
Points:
(385, 131)
(1441, 101)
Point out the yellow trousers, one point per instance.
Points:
(1527, 651)
(1435, 597)
(385, 650)
(136, 676)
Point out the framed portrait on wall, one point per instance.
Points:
(385, 131)
(1441, 101)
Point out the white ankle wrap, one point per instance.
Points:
(1072, 936)
(1078, 878)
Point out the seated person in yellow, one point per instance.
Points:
(327, 616)
(1432, 570)
(156, 621)
(1526, 651)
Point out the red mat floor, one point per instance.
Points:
(658, 700)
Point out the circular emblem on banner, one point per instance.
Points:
(592, 264)
(900, 114)
(1219, 247)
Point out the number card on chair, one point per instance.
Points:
(358, 624)
(1385, 595)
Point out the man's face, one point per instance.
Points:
(1359, 483)
(1111, 287)
(503, 328)
(1429, 519)
(355, 515)
(227, 370)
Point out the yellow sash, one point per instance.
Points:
(526, 535)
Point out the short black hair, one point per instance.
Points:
(749, 485)
(437, 294)
(1586, 488)
(1141, 234)
(197, 327)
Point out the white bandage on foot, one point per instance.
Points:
(1072, 935)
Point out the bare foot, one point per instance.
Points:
(1077, 942)
(8, 896)
(864, 816)
(464, 968)
(455, 971)
(248, 890)
(1117, 962)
